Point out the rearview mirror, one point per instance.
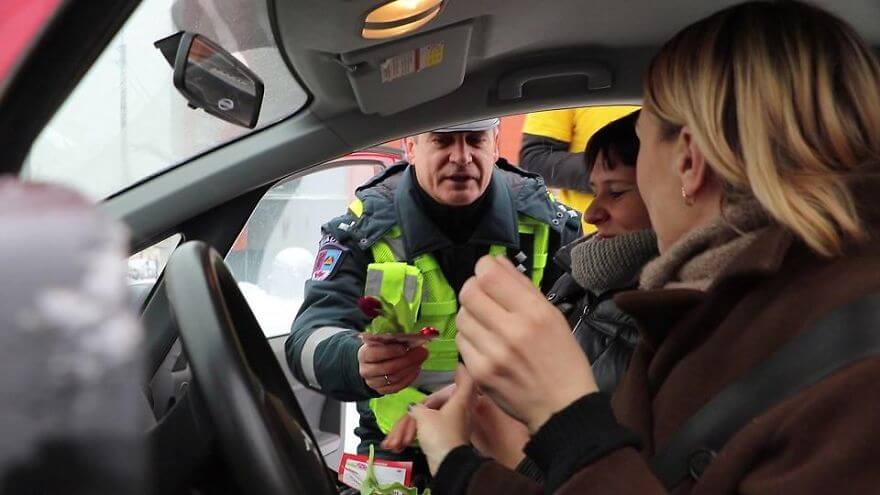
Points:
(212, 79)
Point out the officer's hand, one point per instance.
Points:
(390, 367)
(403, 433)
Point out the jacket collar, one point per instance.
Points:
(657, 311)
(562, 258)
(420, 235)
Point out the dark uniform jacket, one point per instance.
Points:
(322, 348)
(823, 439)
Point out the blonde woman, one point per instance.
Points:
(760, 151)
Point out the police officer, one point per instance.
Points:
(453, 203)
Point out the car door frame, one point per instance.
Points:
(220, 227)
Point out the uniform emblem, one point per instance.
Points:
(327, 260)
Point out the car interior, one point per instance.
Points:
(226, 414)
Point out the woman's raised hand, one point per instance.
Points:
(517, 346)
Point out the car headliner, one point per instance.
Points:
(507, 35)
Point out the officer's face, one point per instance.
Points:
(454, 168)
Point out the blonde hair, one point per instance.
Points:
(784, 101)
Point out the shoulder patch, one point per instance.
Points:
(328, 259)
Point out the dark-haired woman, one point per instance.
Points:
(610, 260)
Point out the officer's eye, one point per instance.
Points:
(476, 139)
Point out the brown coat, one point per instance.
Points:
(825, 439)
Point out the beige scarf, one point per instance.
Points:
(696, 260)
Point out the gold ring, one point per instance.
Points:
(387, 381)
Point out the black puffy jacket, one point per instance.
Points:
(607, 335)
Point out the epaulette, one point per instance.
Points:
(382, 176)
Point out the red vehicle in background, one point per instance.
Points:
(20, 22)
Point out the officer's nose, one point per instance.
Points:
(461, 152)
(596, 213)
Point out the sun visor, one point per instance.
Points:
(395, 76)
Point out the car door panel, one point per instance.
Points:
(324, 414)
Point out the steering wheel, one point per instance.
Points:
(262, 430)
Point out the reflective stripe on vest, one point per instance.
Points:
(437, 308)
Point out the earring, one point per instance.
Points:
(688, 200)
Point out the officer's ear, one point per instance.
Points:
(496, 149)
(409, 144)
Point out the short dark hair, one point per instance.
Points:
(617, 142)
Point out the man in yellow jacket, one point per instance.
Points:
(553, 146)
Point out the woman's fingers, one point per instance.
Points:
(480, 341)
(401, 436)
(405, 430)
(497, 283)
(466, 350)
(465, 391)
(396, 437)
(410, 433)
(438, 398)
(480, 306)
(479, 365)
(519, 277)
(497, 434)
(503, 284)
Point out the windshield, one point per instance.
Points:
(125, 121)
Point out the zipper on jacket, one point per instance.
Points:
(581, 319)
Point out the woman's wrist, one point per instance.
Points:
(512, 459)
(577, 435)
(436, 458)
(537, 420)
(553, 404)
(453, 475)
